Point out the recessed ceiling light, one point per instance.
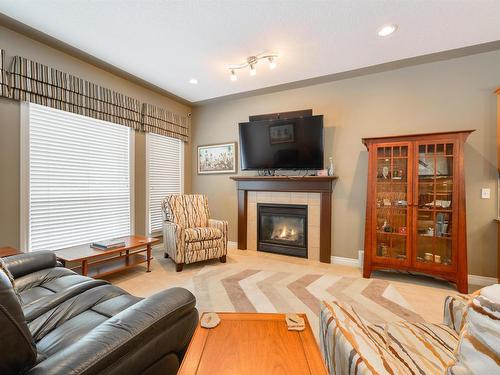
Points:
(193, 81)
(387, 30)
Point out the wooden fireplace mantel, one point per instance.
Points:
(307, 184)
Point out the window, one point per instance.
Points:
(165, 174)
(77, 179)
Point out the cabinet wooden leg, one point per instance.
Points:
(366, 272)
(462, 285)
(222, 259)
(179, 266)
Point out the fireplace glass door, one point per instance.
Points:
(282, 229)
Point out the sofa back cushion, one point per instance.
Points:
(478, 350)
(18, 350)
(186, 210)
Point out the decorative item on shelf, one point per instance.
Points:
(251, 62)
(401, 203)
(430, 231)
(218, 158)
(402, 230)
(386, 227)
(331, 168)
(429, 257)
(385, 172)
(446, 261)
(322, 172)
(437, 259)
(387, 202)
(384, 250)
(397, 174)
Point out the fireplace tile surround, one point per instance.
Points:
(311, 200)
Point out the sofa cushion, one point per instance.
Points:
(478, 350)
(352, 346)
(15, 333)
(202, 234)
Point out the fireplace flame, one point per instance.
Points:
(285, 233)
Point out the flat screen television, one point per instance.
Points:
(295, 143)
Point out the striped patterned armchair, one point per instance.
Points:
(466, 344)
(189, 235)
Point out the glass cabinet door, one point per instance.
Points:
(434, 205)
(392, 213)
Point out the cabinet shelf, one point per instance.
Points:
(442, 152)
(392, 233)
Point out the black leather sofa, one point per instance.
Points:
(65, 323)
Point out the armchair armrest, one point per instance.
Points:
(173, 240)
(132, 340)
(222, 225)
(454, 311)
(23, 264)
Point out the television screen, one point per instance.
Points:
(282, 144)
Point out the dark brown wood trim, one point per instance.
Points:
(325, 225)
(242, 219)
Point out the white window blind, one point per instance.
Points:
(79, 179)
(165, 174)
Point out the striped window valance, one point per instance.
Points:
(164, 122)
(40, 84)
(4, 87)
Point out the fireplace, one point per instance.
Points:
(282, 229)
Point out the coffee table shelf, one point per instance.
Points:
(99, 263)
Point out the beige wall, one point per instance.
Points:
(17, 44)
(440, 96)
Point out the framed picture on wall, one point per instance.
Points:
(218, 158)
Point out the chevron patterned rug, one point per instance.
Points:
(299, 289)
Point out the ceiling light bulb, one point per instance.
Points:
(272, 63)
(387, 30)
(193, 81)
(233, 76)
(253, 71)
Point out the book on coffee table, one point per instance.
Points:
(107, 245)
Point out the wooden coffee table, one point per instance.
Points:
(98, 263)
(252, 343)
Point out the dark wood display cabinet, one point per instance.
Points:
(415, 209)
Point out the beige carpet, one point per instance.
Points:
(254, 281)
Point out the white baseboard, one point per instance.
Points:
(351, 262)
(232, 245)
(482, 280)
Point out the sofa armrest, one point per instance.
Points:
(23, 264)
(454, 311)
(132, 340)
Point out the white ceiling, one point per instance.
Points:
(169, 42)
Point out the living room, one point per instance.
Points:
(190, 186)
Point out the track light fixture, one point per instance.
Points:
(251, 62)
